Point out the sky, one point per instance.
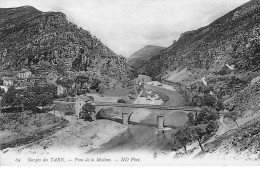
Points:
(126, 26)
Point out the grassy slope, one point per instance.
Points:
(30, 133)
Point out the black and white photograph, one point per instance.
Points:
(129, 82)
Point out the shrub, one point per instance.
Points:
(121, 101)
(87, 112)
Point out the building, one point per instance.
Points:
(39, 80)
(22, 82)
(8, 80)
(24, 74)
(79, 104)
(61, 90)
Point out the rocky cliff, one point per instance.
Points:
(30, 38)
(232, 39)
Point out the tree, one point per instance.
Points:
(12, 98)
(65, 82)
(233, 116)
(220, 105)
(2, 91)
(183, 137)
(61, 67)
(44, 65)
(101, 89)
(88, 112)
(211, 127)
(44, 100)
(31, 102)
(72, 92)
(205, 115)
(82, 79)
(198, 133)
(121, 101)
(210, 100)
(208, 89)
(204, 125)
(95, 83)
(191, 120)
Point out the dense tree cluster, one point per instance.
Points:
(88, 112)
(31, 98)
(198, 128)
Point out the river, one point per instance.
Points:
(145, 136)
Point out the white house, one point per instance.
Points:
(79, 104)
(8, 81)
(204, 81)
(61, 90)
(24, 73)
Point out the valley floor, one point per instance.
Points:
(104, 137)
(82, 136)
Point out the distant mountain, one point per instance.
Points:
(29, 37)
(137, 59)
(232, 39)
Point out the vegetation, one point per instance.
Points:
(2, 91)
(65, 82)
(183, 137)
(198, 128)
(88, 112)
(121, 101)
(30, 98)
(233, 116)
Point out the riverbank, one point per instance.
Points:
(83, 137)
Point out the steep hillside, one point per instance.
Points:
(139, 58)
(30, 38)
(232, 39)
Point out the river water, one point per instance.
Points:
(145, 136)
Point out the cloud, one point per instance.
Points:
(128, 25)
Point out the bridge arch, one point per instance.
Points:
(126, 115)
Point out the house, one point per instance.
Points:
(61, 90)
(8, 80)
(80, 102)
(22, 82)
(40, 80)
(24, 74)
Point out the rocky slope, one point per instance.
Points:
(233, 38)
(141, 56)
(30, 38)
(226, 55)
(240, 144)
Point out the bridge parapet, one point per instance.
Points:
(127, 110)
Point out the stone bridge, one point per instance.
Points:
(160, 112)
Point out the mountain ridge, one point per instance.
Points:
(138, 58)
(29, 36)
(199, 48)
